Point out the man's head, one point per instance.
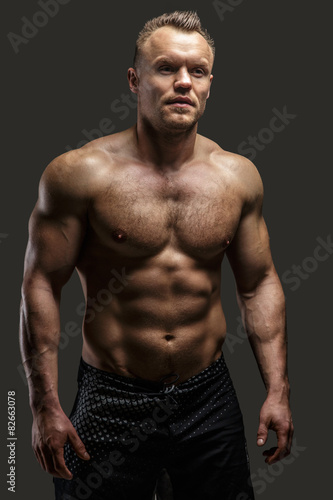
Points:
(172, 71)
(186, 21)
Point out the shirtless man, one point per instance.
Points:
(146, 217)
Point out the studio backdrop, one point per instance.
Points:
(64, 84)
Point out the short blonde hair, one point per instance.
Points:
(183, 20)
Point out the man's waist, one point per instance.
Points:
(89, 374)
(148, 352)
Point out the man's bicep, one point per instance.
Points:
(249, 253)
(54, 245)
(56, 231)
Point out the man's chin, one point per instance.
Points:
(180, 122)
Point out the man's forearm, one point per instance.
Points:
(264, 317)
(39, 341)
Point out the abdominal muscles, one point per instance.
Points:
(161, 320)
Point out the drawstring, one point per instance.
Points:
(165, 387)
(169, 386)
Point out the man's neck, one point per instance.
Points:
(163, 149)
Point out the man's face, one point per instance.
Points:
(173, 79)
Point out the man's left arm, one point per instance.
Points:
(262, 304)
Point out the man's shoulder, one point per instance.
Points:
(232, 162)
(91, 156)
(238, 170)
(80, 169)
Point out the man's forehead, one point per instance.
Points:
(170, 42)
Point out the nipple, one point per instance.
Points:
(119, 235)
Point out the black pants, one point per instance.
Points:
(134, 428)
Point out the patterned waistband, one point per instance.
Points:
(91, 374)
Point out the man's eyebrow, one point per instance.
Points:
(164, 60)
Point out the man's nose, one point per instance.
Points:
(183, 79)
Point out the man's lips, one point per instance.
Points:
(181, 101)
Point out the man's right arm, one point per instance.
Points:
(56, 231)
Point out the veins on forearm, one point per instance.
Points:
(263, 310)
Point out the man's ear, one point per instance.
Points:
(211, 79)
(133, 80)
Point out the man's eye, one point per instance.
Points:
(166, 69)
(199, 71)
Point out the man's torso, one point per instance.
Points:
(150, 264)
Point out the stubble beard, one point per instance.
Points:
(169, 124)
(171, 121)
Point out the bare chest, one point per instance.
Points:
(140, 213)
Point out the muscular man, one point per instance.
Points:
(146, 216)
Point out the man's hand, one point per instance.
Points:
(50, 431)
(275, 414)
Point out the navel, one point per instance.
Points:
(119, 235)
(169, 337)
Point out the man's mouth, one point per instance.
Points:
(182, 102)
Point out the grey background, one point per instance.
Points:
(269, 55)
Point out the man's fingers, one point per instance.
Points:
(283, 440)
(55, 462)
(60, 469)
(291, 434)
(278, 452)
(78, 446)
(262, 434)
(276, 416)
(274, 455)
(48, 459)
(40, 458)
(270, 455)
